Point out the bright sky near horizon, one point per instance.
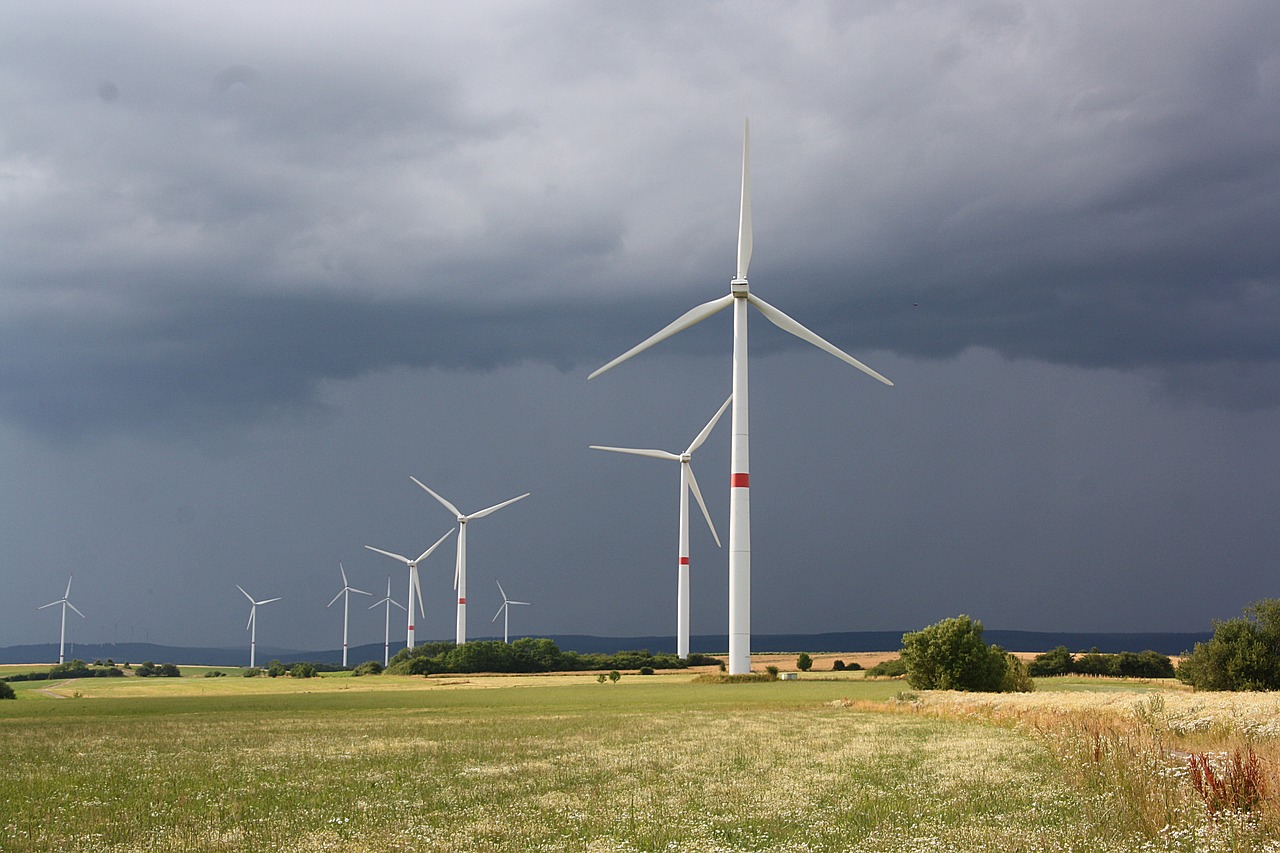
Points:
(263, 263)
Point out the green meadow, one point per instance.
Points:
(566, 763)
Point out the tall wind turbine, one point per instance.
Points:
(65, 601)
(740, 297)
(415, 587)
(460, 568)
(505, 611)
(345, 595)
(388, 601)
(688, 483)
(252, 627)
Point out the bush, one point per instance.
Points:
(1243, 654)
(892, 668)
(804, 663)
(614, 676)
(6, 692)
(773, 672)
(303, 670)
(165, 670)
(275, 669)
(214, 673)
(369, 667)
(1058, 661)
(951, 655)
(252, 672)
(646, 670)
(838, 666)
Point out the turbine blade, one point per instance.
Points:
(697, 493)
(252, 611)
(398, 604)
(500, 589)
(782, 321)
(417, 591)
(482, 513)
(656, 454)
(453, 509)
(462, 547)
(744, 219)
(76, 609)
(711, 424)
(268, 601)
(358, 591)
(689, 318)
(67, 594)
(336, 597)
(404, 560)
(50, 604)
(246, 595)
(517, 602)
(427, 553)
(344, 575)
(499, 613)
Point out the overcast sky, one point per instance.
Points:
(261, 263)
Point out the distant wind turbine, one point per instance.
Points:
(388, 601)
(505, 611)
(65, 601)
(688, 483)
(252, 627)
(740, 297)
(415, 587)
(345, 595)
(460, 568)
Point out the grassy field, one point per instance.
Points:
(649, 763)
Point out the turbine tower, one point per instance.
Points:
(386, 642)
(505, 611)
(415, 587)
(252, 627)
(688, 483)
(740, 296)
(460, 568)
(65, 601)
(345, 595)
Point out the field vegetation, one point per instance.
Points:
(661, 762)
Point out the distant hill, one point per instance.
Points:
(1169, 643)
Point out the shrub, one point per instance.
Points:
(773, 672)
(275, 669)
(369, 667)
(214, 673)
(838, 666)
(853, 666)
(1057, 661)
(252, 672)
(6, 692)
(951, 655)
(614, 676)
(600, 678)
(646, 670)
(303, 670)
(804, 663)
(892, 668)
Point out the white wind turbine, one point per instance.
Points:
(388, 601)
(65, 601)
(740, 297)
(505, 611)
(252, 627)
(415, 586)
(345, 595)
(688, 483)
(460, 568)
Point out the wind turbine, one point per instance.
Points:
(740, 297)
(388, 601)
(65, 601)
(252, 627)
(505, 611)
(415, 587)
(688, 483)
(460, 568)
(345, 595)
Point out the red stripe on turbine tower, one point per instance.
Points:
(462, 601)
(684, 561)
(741, 481)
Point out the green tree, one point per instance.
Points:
(1057, 661)
(951, 655)
(6, 692)
(1242, 654)
(303, 670)
(614, 676)
(804, 663)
